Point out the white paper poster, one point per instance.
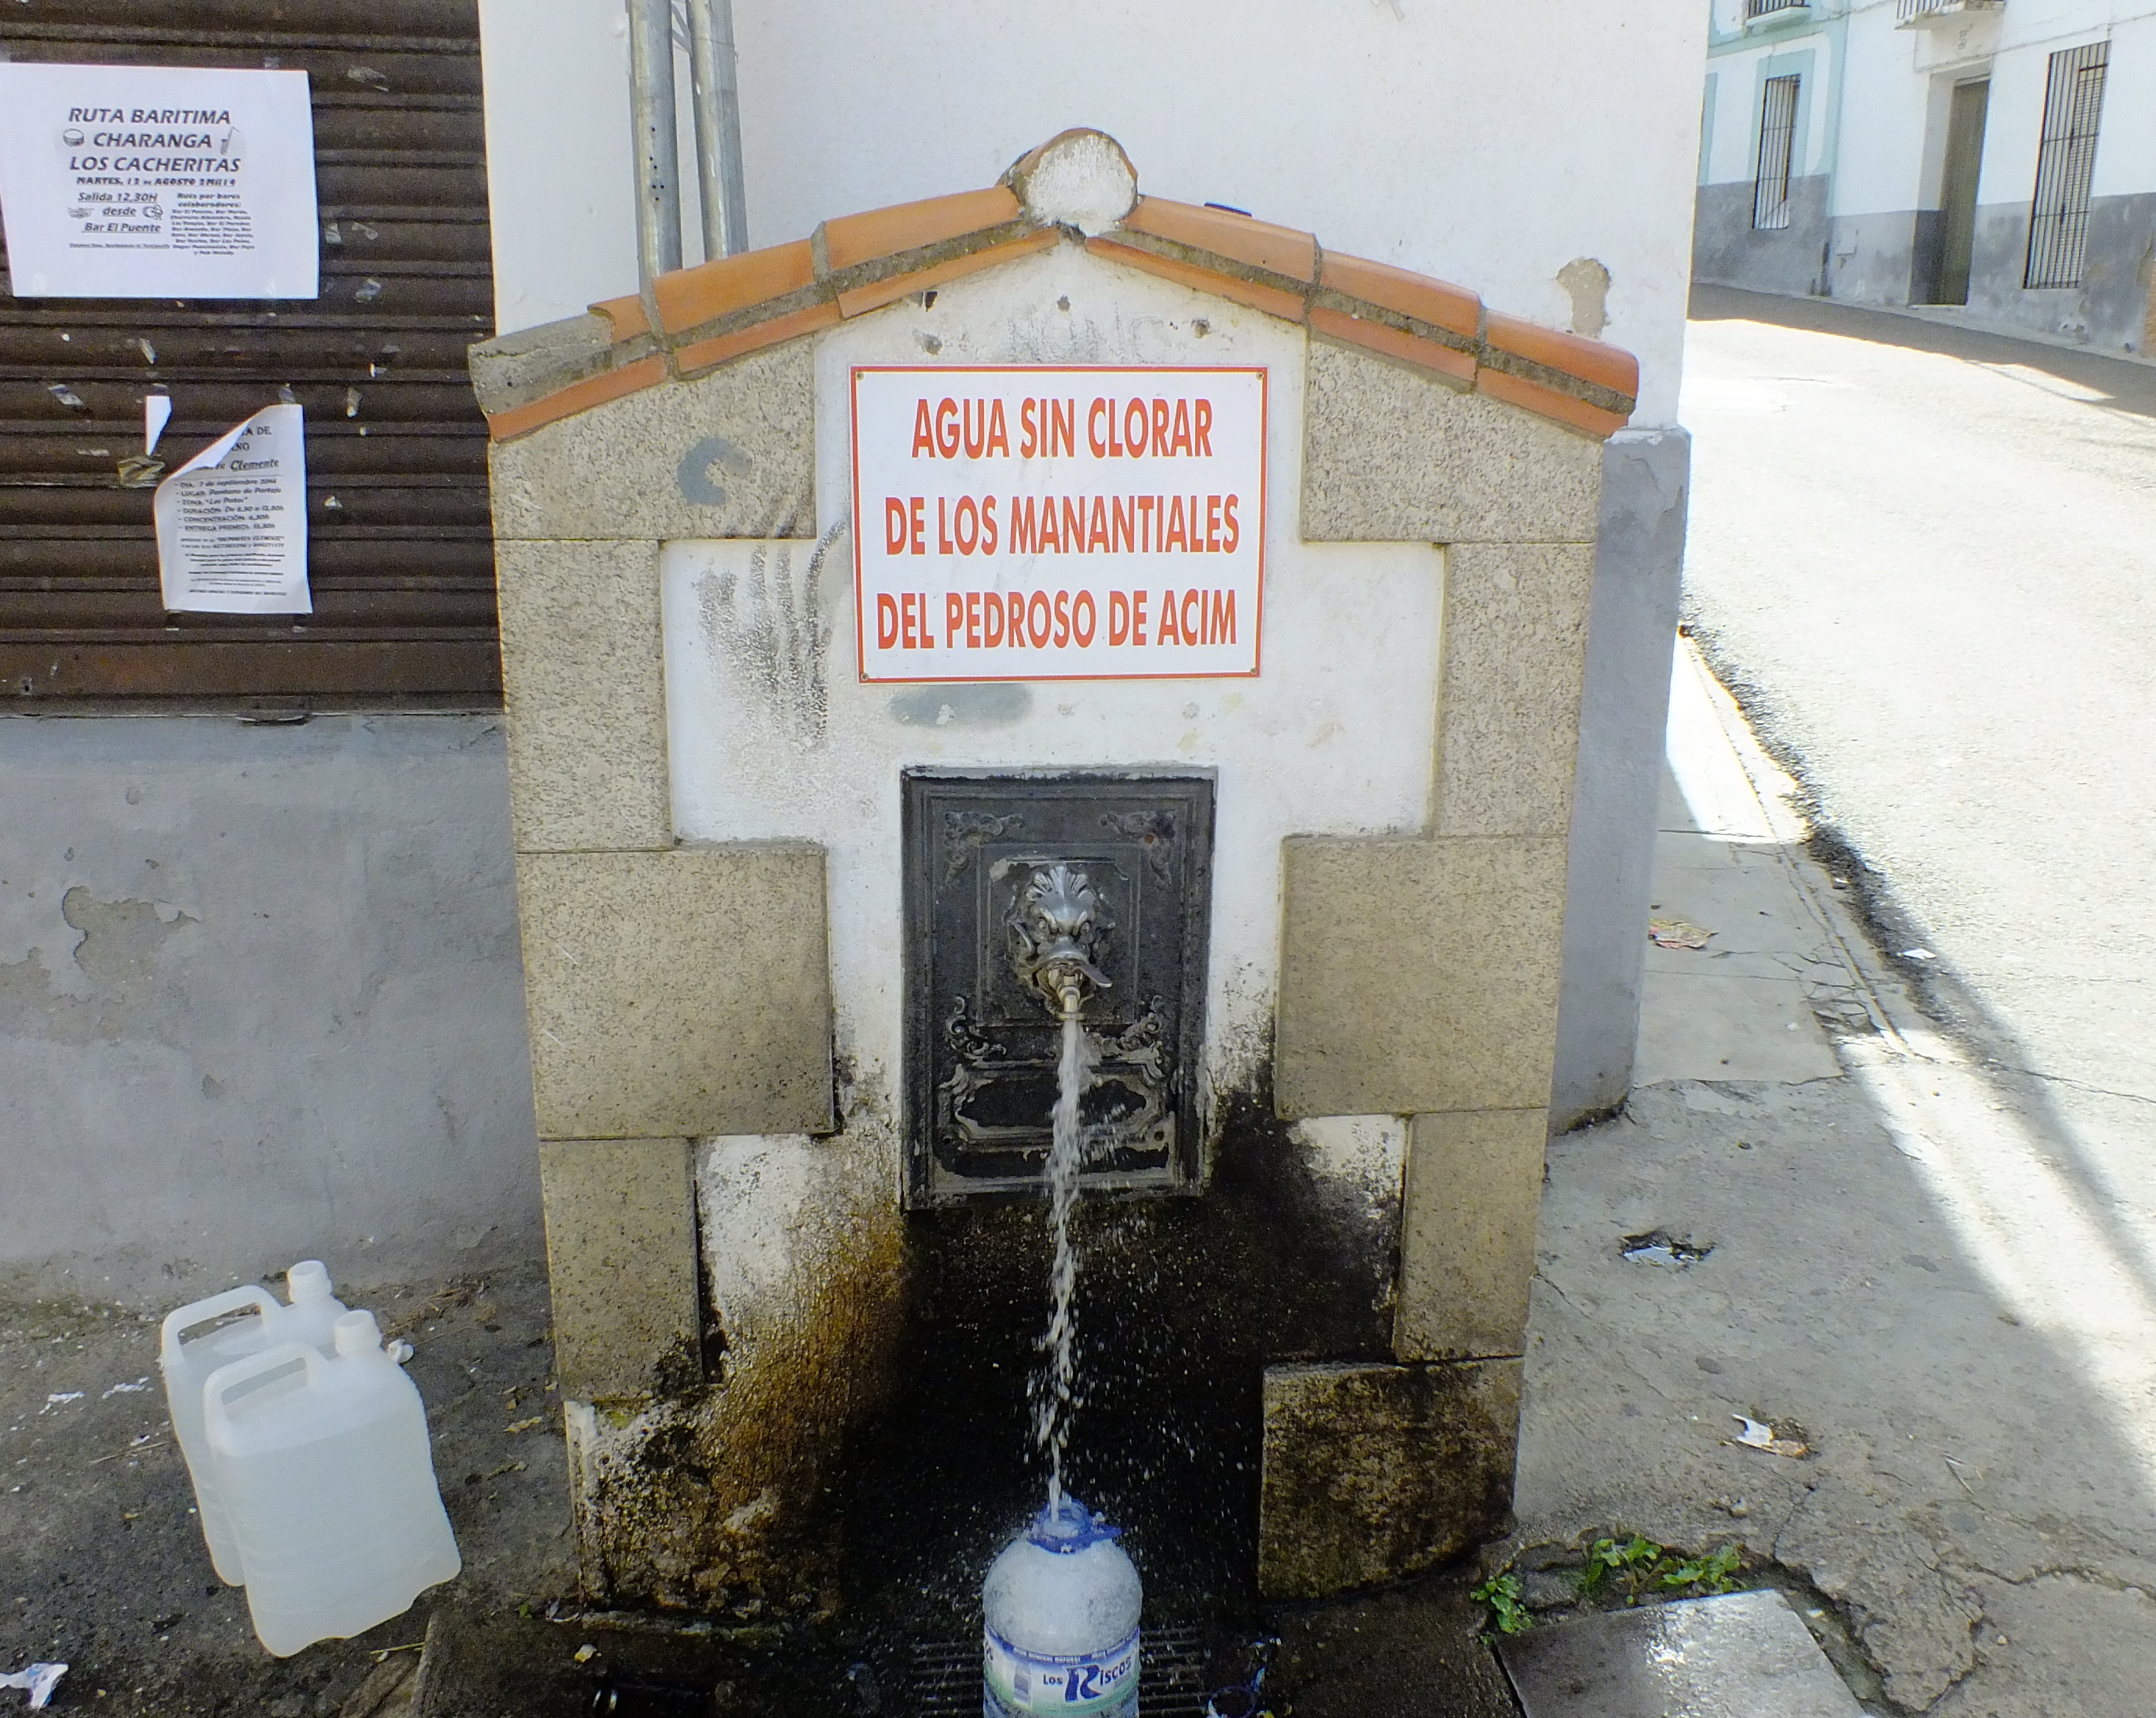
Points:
(1045, 523)
(158, 182)
(231, 522)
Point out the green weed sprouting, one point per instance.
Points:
(1705, 1576)
(1639, 1565)
(1501, 1593)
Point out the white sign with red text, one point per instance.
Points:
(1043, 524)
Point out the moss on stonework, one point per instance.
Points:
(717, 1498)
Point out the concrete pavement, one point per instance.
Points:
(1900, 1268)
(1932, 1260)
(1926, 558)
(1743, 1007)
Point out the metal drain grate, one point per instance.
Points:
(947, 1677)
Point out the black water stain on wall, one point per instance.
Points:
(1182, 1303)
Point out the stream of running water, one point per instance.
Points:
(1055, 1389)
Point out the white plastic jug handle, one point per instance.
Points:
(226, 1379)
(203, 1312)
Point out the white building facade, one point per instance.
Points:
(1498, 145)
(1999, 154)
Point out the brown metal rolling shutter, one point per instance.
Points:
(401, 553)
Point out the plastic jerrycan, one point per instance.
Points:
(186, 1367)
(1060, 1609)
(328, 1480)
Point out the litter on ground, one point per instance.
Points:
(1661, 1249)
(1756, 1436)
(1677, 933)
(38, 1681)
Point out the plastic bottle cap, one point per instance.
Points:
(1070, 1528)
(357, 1333)
(308, 1280)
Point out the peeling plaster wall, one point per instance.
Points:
(260, 999)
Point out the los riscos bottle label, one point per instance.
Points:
(1024, 1684)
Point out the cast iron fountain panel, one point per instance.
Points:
(1011, 880)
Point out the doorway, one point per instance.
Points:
(1957, 189)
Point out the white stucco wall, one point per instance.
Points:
(1486, 144)
(1891, 114)
(1885, 113)
(1741, 72)
(2125, 149)
(557, 155)
(2126, 141)
(2013, 125)
(1337, 736)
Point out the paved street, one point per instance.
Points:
(1932, 556)
(1920, 1218)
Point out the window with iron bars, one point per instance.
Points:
(1767, 8)
(2066, 160)
(1778, 136)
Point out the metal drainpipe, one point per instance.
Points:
(658, 160)
(716, 98)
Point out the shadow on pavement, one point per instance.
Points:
(2121, 384)
(1921, 1267)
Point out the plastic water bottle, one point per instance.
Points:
(327, 1476)
(1060, 1609)
(186, 1367)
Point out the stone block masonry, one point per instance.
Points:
(681, 994)
(1418, 975)
(1374, 1472)
(621, 1261)
(1387, 458)
(586, 694)
(1515, 642)
(708, 822)
(729, 458)
(1467, 1234)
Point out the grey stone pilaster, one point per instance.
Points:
(1624, 703)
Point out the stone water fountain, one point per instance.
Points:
(1250, 724)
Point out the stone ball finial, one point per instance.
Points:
(1078, 178)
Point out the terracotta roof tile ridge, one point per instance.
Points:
(1415, 303)
(1256, 250)
(1433, 326)
(1596, 371)
(1415, 319)
(716, 312)
(713, 312)
(628, 377)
